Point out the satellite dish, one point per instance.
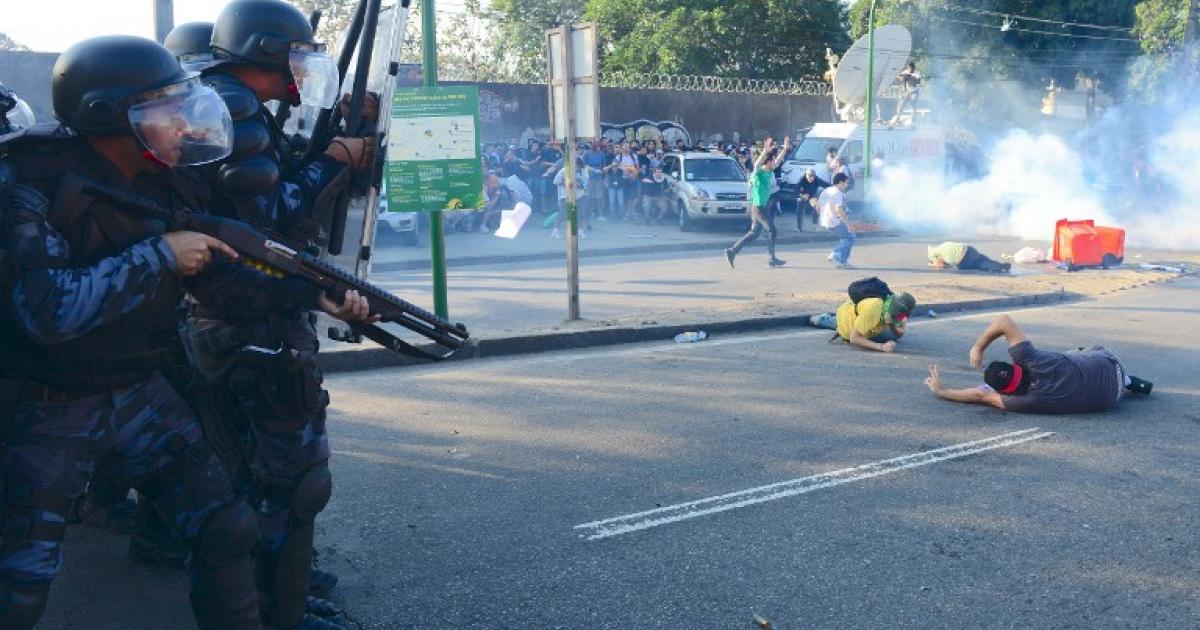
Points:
(893, 45)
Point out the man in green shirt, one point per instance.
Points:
(962, 256)
(762, 216)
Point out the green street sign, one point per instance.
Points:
(433, 150)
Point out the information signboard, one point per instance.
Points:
(433, 150)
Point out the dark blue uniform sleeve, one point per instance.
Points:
(293, 200)
(53, 302)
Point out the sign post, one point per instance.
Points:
(433, 150)
(437, 232)
(574, 113)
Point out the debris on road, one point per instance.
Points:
(762, 623)
(691, 337)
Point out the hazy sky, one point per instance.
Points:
(53, 25)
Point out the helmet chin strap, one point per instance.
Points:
(153, 159)
(293, 93)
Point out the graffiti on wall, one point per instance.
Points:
(664, 132)
(492, 106)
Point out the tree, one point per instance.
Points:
(765, 39)
(8, 44)
(1161, 26)
(518, 33)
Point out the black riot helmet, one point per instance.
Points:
(274, 34)
(117, 85)
(15, 114)
(190, 44)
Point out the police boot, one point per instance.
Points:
(325, 609)
(118, 518)
(153, 543)
(320, 583)
(106, 504)
(313, 622)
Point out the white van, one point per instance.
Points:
(923, 148)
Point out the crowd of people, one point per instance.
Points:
(616, 181)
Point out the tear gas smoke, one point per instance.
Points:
(1031, 180)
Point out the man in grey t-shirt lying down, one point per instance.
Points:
(1038, 381)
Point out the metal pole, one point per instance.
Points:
(437, 233)
(164, 19)
(568, 82)
(870, 105)
(1189, 46)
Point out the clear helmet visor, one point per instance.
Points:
(316, 76)
(20, 116)
(197, 62)
(184, 124)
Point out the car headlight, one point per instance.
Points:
(702, 194)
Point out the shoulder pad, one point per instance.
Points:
(246, 178)
(242, 102)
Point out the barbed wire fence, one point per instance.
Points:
(731, 85)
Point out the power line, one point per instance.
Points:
(1027, 18)
(1036, 32)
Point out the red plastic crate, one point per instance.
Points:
(1082, 244)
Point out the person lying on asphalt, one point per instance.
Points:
(1040, 381)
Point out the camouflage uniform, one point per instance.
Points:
(277, 400)
(99, 296)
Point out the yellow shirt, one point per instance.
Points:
(949, 252)
(868, 321)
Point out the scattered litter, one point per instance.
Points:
(691, 337)
(511, 221)
(931, 314)
(1154, 267)
(762, 623)
(1029, 255)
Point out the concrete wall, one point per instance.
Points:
(519, 112)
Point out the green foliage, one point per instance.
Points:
(764, 39)
(518, 32)
(1161, 24)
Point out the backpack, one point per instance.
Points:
(872, 287)
(860, 290)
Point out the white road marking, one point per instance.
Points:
(628, 523)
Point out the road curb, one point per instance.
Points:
(466, 261)
(375, 357)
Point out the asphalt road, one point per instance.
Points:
(459, 489)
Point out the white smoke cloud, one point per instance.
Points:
(1031, 180)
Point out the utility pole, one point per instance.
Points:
(870, 104)
(568, 77)
(1191, 63)
(164, 18)
(437, 233)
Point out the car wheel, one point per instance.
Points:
(685, 220)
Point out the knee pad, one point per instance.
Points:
(312, 492)
(229, 535)
(21, 606)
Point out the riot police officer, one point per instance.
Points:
(97, 289)
(265, 50)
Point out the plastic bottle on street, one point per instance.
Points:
(691, 337)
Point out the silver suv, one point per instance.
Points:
(706, 187)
